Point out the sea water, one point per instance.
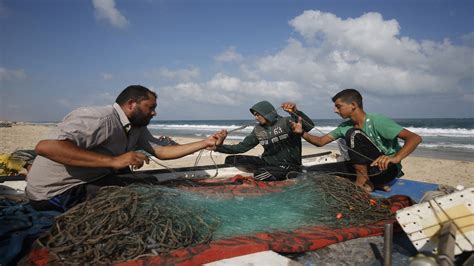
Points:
(444, 138)
(447, 138)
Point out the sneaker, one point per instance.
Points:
(291, 175)
(263, 176)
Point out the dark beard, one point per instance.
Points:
(139, 119)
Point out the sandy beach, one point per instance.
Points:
(440, 171)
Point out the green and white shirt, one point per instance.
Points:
(381, 130)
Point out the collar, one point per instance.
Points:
(123, 118)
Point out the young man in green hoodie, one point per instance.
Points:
(281, 158)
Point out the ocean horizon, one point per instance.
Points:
(445, 138)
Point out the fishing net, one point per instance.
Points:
(122, 223)
(312, 199)
(125, 223)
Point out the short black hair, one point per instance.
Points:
(349, 96)
(137, 93)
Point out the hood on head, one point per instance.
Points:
(266, 109)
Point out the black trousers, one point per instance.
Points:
(80, 193)
(261, 170)
(361, 151)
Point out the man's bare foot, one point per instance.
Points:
(385, 188)
(367, 188)
(364, 183)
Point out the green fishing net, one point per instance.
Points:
(124, 223)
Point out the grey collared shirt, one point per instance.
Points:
(98, 129)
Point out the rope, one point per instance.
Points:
(153, 159)
(228, 132)
(198, 158)
(213, 161)
(458, 229)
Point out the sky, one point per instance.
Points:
(213, 59)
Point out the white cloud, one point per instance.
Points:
(180, 75)
(105, 9)
(8, 74)
(223, 89)
(229, 55)
(248, 72)
(367, 53)
(106, 76)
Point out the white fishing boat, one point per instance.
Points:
(15, 185)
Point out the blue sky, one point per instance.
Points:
(212, 59)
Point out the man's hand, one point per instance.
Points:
(383, 161)
(297, 128)
(221, 136)
(215, 139)
(131, 158)
(289, 107)
(218, 139)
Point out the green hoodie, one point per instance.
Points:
(281, 146)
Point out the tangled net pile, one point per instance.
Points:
(351, 205)
(125, 223)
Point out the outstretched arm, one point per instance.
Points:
(411, 142)
(67, 153)
(315, 140)
(178, 151)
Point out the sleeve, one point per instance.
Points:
(248, 143)
(387, 128)
(336, 133)
(308, 124)
(84, 128)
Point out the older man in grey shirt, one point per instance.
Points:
(91, 145)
